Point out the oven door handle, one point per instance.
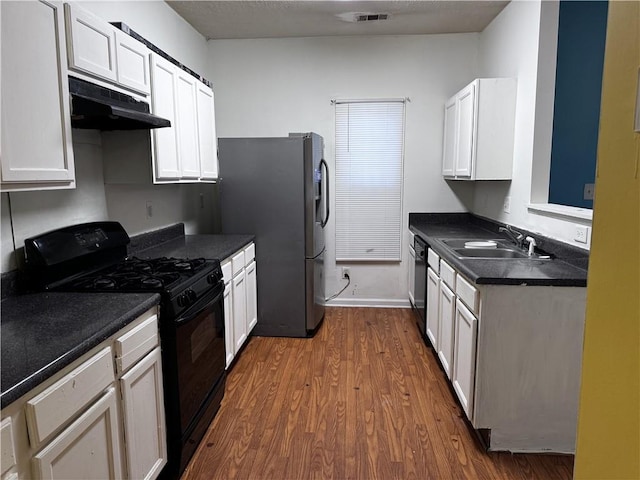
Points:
(201, 305)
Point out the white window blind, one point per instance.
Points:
(369, 155)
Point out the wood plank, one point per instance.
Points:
(364, 398)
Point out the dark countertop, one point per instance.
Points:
(44, 332)
(214, 247)
(568, 268)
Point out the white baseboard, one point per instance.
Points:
(369, 302)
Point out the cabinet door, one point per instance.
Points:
(207, 132)
(163, 85)
(252, 297)
(187, 127)
(239, 311)
(449, 142)
(466, 124)
(133, 63)
(36, 123)
(7, 449)
(412, 274)
(433, 283)
(88, 449)
(229, 343)
(92, 43)
(144, 423)
(445, 328)
(464, 363)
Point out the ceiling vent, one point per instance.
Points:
(358, 17)
(371, 17)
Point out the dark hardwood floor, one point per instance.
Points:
(363, 399)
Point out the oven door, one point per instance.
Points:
(200, 353)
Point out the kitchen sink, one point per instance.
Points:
(489, 253)
(498, 248)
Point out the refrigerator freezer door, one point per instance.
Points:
(314, 292)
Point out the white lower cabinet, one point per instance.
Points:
(513, 355)
(239, 310)
(464, 363)
(88, 449)
(88, 422)
(433, 299)
(252, 296)
(144, 421)
(411, 280)
(240, 299)
(446, 314)
(228, 323)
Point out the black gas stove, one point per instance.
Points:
(92, 257)
(181, 281)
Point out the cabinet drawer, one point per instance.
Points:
(237, 262)
(55, 406)
(227, 271)
(249, 254)
(468, 294)
(135, 344)
(448, 275)
(433, 259)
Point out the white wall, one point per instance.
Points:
(521, 42)
(32, 213)
(276, 86)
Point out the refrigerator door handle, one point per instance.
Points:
(316, 256)
(326, 196)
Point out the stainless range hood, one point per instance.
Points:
(96, 107)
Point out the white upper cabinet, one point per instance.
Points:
(449, 145)
(133, 63)
(187, 125)
(36, 145)
(207, 132)
(466, 109)
(186, 151)
(91, 43)
(98, 49)
(479, 122)
(163, 86)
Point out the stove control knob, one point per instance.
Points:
(213, 278)
(191, 296)
(181, 300)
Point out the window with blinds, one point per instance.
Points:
(369, 157)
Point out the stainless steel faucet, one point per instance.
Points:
(516, 236)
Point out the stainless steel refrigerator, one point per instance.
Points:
(278, 190)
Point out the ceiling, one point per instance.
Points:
(307, 18)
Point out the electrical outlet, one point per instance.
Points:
(506, 207)
(149, 209)
(582, 234)
(589, 190)
(346, 272)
